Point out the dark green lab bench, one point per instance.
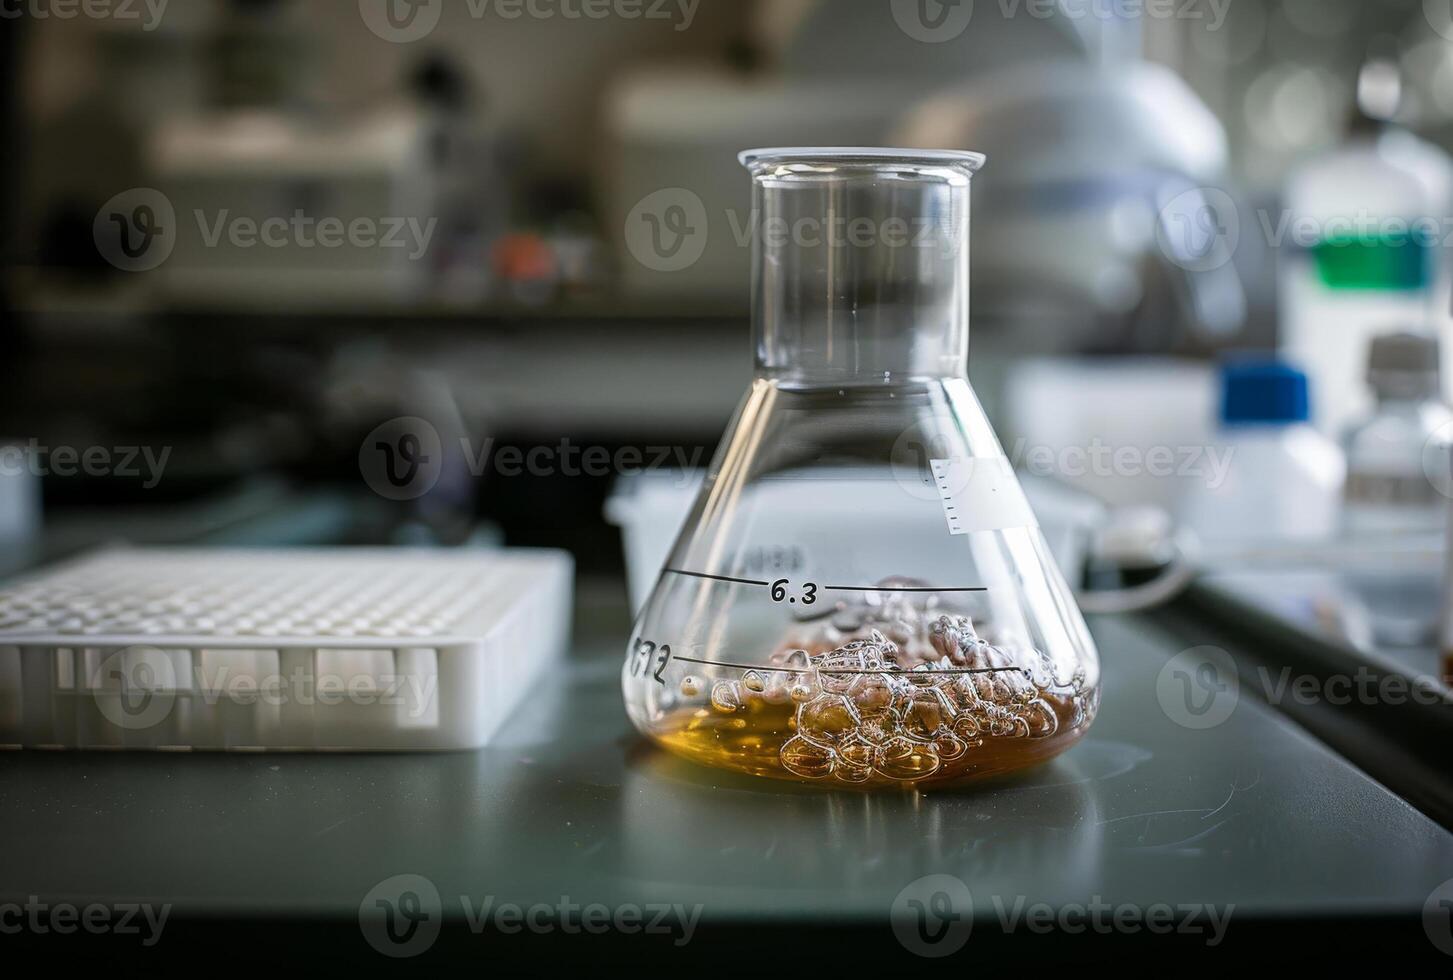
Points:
(266, 857)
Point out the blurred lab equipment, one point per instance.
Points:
(1396, 470)
(1445, 630)
(836, 72)
(1284, 479)
(929, 636)
(264, 205)
(1361, 247)
(1106, 231)
(1398, 467)
(272, 197)
(20, 509)
(837, 38)
(1131, 431)
(402, 425)
(222, 650)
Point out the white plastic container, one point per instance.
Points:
(1283, 480)
(337, 649)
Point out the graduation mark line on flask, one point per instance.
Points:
(781, 589)
(650, 658)
(916, 672)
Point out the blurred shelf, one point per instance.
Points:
(39, 294)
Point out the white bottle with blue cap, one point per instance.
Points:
(1283, 479)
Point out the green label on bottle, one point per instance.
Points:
(1368, 260)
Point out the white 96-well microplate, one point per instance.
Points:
(238, 650)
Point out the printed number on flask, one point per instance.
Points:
(781, 592)
(648, 655)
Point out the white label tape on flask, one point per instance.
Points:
(981, 494)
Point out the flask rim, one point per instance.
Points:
(754, 160)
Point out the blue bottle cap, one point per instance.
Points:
(1267, 392)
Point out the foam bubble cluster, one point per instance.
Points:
(896, 691)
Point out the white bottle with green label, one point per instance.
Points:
(1360, 247)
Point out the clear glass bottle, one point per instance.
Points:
(1397, 478)
(1391, 485)
(923, 634)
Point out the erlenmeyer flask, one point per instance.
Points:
(861, 594)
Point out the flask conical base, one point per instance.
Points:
(861, 597)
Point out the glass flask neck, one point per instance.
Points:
(860, 271)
